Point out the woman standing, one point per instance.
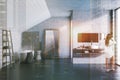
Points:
(109, 49)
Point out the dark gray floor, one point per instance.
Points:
(58, 69)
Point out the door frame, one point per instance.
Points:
(45, 41)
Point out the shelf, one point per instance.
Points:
(3, 12)
(5, 41)
(3, 1)
(6, 54)
(87, 52)
(3, 4)
(5, 47)
(5, 64)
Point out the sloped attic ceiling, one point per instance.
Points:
(63, 7)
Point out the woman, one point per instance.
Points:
(109, 49)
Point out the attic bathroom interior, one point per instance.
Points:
(57, 39)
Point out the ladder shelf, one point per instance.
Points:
(7, 48)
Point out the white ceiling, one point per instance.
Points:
(63, 7)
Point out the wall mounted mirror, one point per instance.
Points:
(51, 43)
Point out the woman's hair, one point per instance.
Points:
(108, 37)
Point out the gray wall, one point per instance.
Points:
(60, 23)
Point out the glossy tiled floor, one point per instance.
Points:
(60, 69)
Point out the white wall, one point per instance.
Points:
(22, 15)
(64, 41)
(88, 22)
(36, 12)
(98, 24)
(16, 22)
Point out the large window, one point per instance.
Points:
(118, 34)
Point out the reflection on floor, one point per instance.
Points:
(59, 69)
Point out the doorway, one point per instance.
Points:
(51, 43)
